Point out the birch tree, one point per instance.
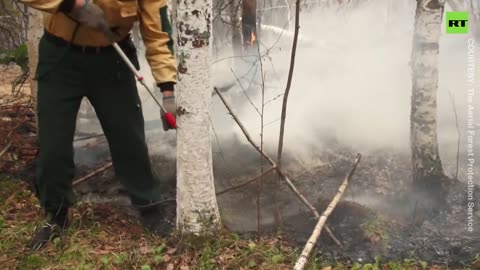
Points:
(197, 209)
(35, 30)
(426, 160)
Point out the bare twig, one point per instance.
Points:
(155, 203)
(302, 260)
(262, 75)
(242, 127)
(218, 141)
(245, 92)
(289, 83)
(278, 216)
(259, 177)
(452, 101)
(92, 174)
(274, 165)
(88, 137)
(284, 105)
(5, 149)
(273, 99)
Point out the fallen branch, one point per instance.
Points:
(92, 174)
(245, 183)
(302, 260)
(274, 165)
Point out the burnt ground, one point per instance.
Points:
(394, 225)
(395, 220)
(380, 214)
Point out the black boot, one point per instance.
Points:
(57, 222)
(154, 220)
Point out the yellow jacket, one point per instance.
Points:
(154, 27)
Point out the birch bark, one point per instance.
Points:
(197, 209)
(423, 119)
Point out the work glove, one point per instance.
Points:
(170, 105)
(91, 15)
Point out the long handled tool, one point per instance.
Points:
(169, 118)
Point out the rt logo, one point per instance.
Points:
(457, 22)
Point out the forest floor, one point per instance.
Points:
(109, 236)
(105, 236)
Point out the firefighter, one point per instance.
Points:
(76, 59)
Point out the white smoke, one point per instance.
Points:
(351, 85)
(352, 82)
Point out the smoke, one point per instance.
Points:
(351, 93)
(351, 86)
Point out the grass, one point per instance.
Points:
(376, 230)
(104, 236)
(18, 56)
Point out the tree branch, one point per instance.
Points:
(92, 174)
(274, 165)
(302, 260)
(259, 177)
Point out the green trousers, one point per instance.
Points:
(64, 77)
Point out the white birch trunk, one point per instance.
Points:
(197, 209)
(423, 122)
(35, 30)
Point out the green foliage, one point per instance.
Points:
(367, 266)
(207, 257)
(394, 265)
(120, 258)
(57, 243)
(105, 260)
(18, 56)
(252, 264)
(146, 267)
(159, 250)
(252, 246)
(158, 258)
(276, 259)
(376, 226)
(356, 266)
(32, 262)
(234, 236)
